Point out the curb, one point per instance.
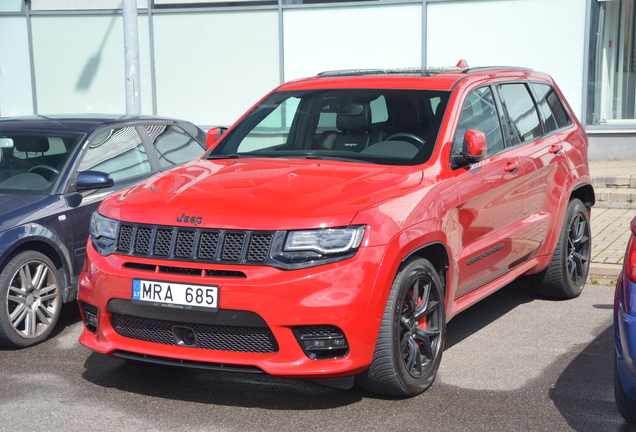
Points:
(603, 274)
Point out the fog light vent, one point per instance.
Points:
(322, 342)
(90, 317)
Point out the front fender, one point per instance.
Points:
(33, 236)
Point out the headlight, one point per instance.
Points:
(102, 226)
(325, 241)
(103, 232)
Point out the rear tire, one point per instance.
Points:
(411, 338)
(566, 275)
(626, 406)
(30, 300)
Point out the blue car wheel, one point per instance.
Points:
(626, 405)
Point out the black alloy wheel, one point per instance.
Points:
(567, 273)
(411, 338)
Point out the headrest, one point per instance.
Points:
(31, 144)
(357, 119)
(406, 116)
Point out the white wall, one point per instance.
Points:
(380, 36)
(545, 35)
(15, 72)
(212, 67)
(79, 64)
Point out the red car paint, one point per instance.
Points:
(482, 225)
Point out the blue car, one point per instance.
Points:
(54, 172)
(625, 333)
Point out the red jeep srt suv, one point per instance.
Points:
(333, 231)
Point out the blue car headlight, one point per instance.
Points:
(103, 233)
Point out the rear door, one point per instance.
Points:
(537, 124)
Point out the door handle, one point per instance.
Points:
(555, 148)
(511, 167)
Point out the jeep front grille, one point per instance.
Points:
(194, 244)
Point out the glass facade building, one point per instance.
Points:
(208, 61)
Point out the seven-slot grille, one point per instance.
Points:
(194, 244)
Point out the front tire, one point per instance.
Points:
(566, 275)
(411, 338)
(30, 300)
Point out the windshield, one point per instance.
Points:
(30, 163)
(392, 127)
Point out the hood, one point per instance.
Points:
(16, 209)
(260, 194)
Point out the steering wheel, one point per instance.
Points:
(412, 138)
(49, 170)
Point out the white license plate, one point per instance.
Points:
(176, 295)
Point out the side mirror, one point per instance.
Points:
(475, 145)
(94, 180)
(474, 150)
(213, 135)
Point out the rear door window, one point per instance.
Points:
(552, 110)
(119, 152)
(172, 144)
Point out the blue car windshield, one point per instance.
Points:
(31, 163)
(383, 126)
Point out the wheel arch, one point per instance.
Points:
(19, 240)
(584, 192)
(437, 255)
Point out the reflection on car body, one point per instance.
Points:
(345, 219)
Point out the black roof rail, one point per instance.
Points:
(489, 68)
(410, 70)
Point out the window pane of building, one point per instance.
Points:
(11, 5)
(15, 73)
(612, 64)
(496, 33)
(211, 67)
(88, 74)
(382, 36)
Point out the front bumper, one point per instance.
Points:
(273, 303)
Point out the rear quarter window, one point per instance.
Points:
(551, 108)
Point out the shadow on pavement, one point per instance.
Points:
(264, 391)
(584, 392)
(212, 387)
(487, 311)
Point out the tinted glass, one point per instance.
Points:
(395, 127)
(118, 152)
(552, 110)
(30, 164)
(523, 118)
(173, 145)
(479, 113)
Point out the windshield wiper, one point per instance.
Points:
(226, 156)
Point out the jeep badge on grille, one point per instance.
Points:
(190, 219)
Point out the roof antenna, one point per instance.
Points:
(462, 64)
